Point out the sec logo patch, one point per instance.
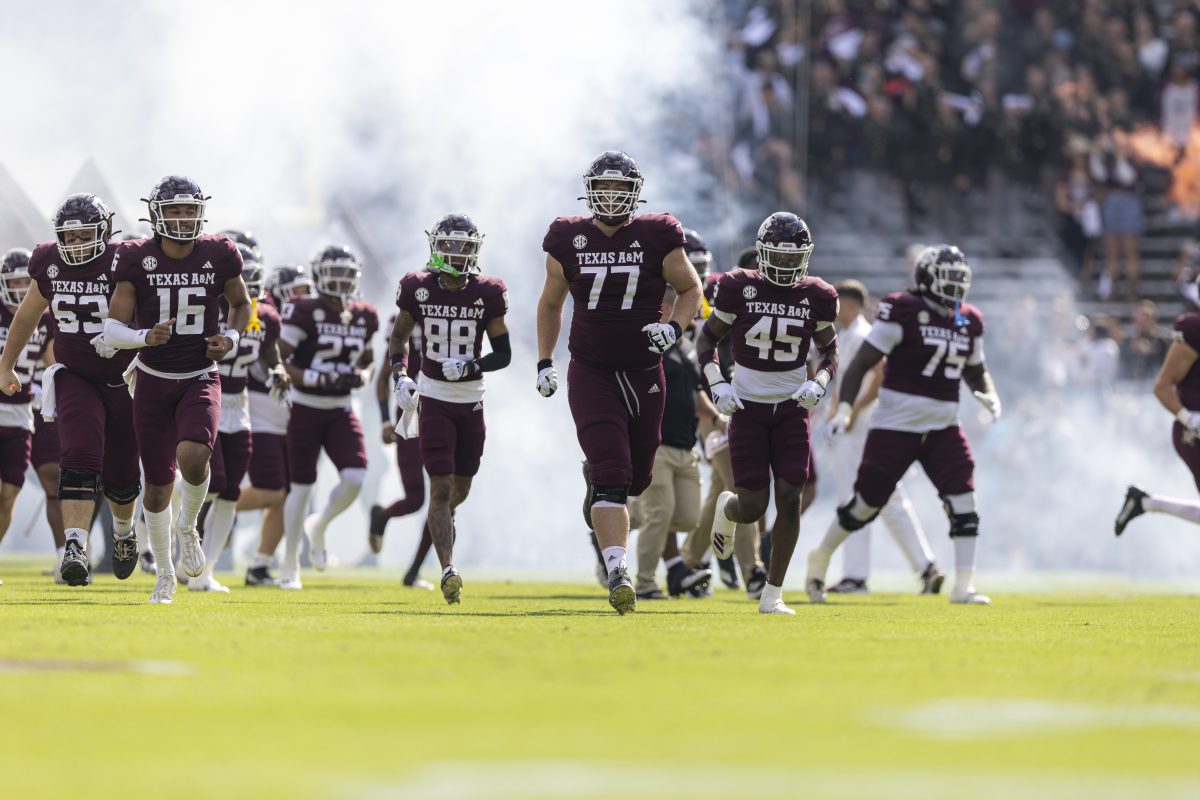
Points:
(52, 272)
(421, 294)
(923, 318)
(749, 293)
(580, 242)
(149, 263)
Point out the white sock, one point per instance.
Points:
(217, 527)
(79, 535)
(192, 500)
(964, 562)
(1184, 509)
(294, 509)
(260, 560)
(342, 496)
(158, 529)
(142, 534)
(122, 527)
(900, 518)
(834, 537)
(770, 594)
(614, 557)
(670, 562)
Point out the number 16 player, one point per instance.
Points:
(616, 267)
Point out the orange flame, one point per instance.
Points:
(1151, 146)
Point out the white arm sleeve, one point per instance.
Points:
(884, 336)
(724, 316)
(976, 357)
(293, 335)
(120, 336)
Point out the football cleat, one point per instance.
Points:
(209, 584)
(290, 582)
(756, 583)
(418, 583)
(316, 549)
(452, 584)
(191, 556)
(932, 579)
(727, 569)
(146, 562)
(969, 596)
(849, 586)
(375, 532)
(164, 590)
(682, 578)
(74, 569)
(654, 594)
(124, 555)
(260, 576)
(775, 607)
(319, 559)
(1132, 508)
(723, 528)
(620, 591)
(814, 582)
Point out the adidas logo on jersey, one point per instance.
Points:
(653, 390)
(804, 301)
(635, 244)
(207, 265)
(477, 407)
(478, 301)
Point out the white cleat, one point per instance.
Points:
(421, 583)
(316, 544)
(723, 528)
(815, 589)
(970, 597)
(290, 582)
(319, 560)
(191, 556)
(775, 607)
(208, 584)
(164, 590)
(814, 582)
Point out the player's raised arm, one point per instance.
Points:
(549, 324)
(19, 332)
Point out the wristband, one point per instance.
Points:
(545, 363)
(312, 378)
(385, 410)
(232, 335)
(677, 328)
(712, 372)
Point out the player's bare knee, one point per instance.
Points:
(441, 487)
(788, 497)
(462, 488)
(156, 498)
(752, 505)
(8, 496)
(855, 513)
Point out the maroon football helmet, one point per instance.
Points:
(942, 273)
(454, 244)
(171, 192)
(337, 272)
(289, 281)
(612, 206)
(252, 270)
(784, 245)
(247, 238)
(81, 213)
(697, 252)
(14, 276)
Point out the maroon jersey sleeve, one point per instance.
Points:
(406, 297)
(495, 300)
(667, 232)
(557, 239)
(824, 300)
(1187, 330)
(727, 293)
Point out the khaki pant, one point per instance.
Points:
(671, 503)
(746, 546)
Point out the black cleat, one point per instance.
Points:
(932, 579)
(620, 591)
(75, 565)
(260, 576)
(375, 531)
(756, 583)
(124, 555)
(1133, 508)
(682, 578)
(849, 586)
(654, 594)
(587, 496)
(728, 572)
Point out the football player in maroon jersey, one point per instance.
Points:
(171, 286)
(326, 346)
(616, 266)
(71, 276)
(1177, 387)
(775, 313)
(933, 340)
(455, 306)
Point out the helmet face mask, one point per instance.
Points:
(942, 273)
(82, 228)
(288, 282)
(784, 246)
(612, 187)
(14, 277)
(454, 245)
(337, 273)
(177, 208)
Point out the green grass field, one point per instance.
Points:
(359, 688)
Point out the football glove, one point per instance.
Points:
(405, 393)
(662, 335)
(103, 348)
(278, 385)
(547, 380)
(725, 398)
(455, 369)
(809, 394)
(991, 402)
(840, 421)
(1190, 420)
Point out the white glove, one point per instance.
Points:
(454, 368)
(840, 421)
(662, 336)
(103, 349)
(547, 381)
(405, 393)
(809, 394)
(725, 398)
(278, 385)
(1190, 420)
(991, 402)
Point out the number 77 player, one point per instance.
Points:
(616, 267)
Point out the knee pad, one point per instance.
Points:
(121, 496)
(78, 484)
(354, 476)
(609, 495)
(964, 524)
(851, 514)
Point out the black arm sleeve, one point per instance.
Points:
(500, 356)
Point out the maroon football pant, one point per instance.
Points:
(336, 430)
(451, 437)
(45, 442)
(230, 459)
(412, 478)
(268, 461)
(96, 431)
(15, 445)
(618, 421)
(166, 412)
(1189, 451)
(945, 456)
(766, 438)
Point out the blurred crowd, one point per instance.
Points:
(1023, 121)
